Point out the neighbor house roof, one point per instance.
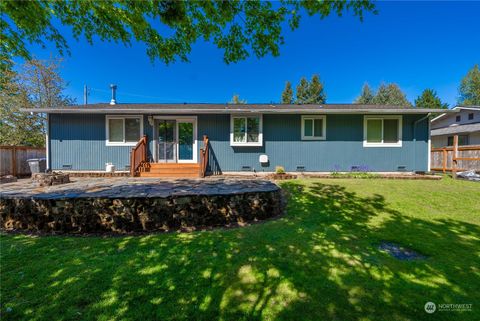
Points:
(468, 128)
(457, 108)
(231, 108)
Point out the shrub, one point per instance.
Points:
(279, 170)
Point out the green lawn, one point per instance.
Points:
(318, 262)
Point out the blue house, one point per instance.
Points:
(169, 138)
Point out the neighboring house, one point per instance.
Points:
(465, 123)
(309, 138)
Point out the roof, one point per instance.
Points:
(206, 108)
(467, 128)
(457, 108)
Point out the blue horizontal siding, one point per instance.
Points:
(79, 140)
(342, 149)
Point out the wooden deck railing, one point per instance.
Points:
(455, 158)
(204, 156)
(138, 156)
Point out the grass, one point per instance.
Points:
(318, 262)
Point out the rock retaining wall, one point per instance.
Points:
(124, 215)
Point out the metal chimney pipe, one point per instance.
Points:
(114, 94)
(85, 95)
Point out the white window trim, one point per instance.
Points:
(324, 129)
(382, 144)
(260, 132)
(108, 117)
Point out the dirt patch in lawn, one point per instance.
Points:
(400, 252)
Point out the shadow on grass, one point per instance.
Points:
(320, 261)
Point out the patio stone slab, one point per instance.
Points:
(126, 187)
(125, 205)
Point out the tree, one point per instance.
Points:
(387, 94)
(316, 94)
(470, 88)
(307, 92)
(287, 94)
(37, 85)
(429, 99)
(366, 96)
(302, 91)
(236, 100)
(390, 94)
(167, 28)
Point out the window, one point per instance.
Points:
(123, 130)
(458, 118)
(246, 130)
(470, 116)
(462, 140)
(313, 127)
(382, 131)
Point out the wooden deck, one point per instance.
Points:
(173, 170)
(139, 166)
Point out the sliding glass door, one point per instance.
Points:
(177, 140)
(185, 140)
(166, 141)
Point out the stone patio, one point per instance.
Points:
(124, 204)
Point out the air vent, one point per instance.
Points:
(301, 168)
(401, 168)
(246, 169)
(67, 166)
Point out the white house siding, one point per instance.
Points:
(450, 123)
(450, 119)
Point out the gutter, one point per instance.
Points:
(180, 111)
(415, 123)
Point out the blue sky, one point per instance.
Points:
(415, 44)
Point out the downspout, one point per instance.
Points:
(47, 142)
(415, 123)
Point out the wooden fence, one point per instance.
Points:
(455, 158)
(13, 159)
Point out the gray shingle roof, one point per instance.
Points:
(230, 108)
(468, 128)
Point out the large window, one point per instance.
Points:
(313, 127)
(382, 131)
(123, 130)
(246, 130)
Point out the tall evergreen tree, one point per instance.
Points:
(302, 91)
(316, 93)
(470, 88)
(391, 94)
(429, 99)
(287, 94)
(366, 96)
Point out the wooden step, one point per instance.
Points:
(172, 170)
(170, 175)
(170, 165)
